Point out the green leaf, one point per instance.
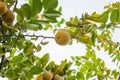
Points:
(71, 78)
(19, 14)
(93, 56)
(89, 75)
(26, 9)
(110, 48)
(51, 19)
(76, 19)
(20, 42)
(38, 48)
(118, 57)
(12, 52)
(114, 16)
(88, 54)
(84, 40)
(10, 74)
(78, 63)
(36, 6)
(63, 64)
(93, 37)
(33, 27)
(119, 14)
(39, 21)
(104, 17)
(80, 76)
(29, 46)
(44, 43)
(50, 4)
(17, 58)
(45, 59)
(35, 70)
(52, 13)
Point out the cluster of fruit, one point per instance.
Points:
(6, 14)
(48, 75)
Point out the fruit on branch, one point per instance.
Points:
(62, 37)
(8, 17)
(39, 77)
(48, 75)
(57, 77)
(3, 8)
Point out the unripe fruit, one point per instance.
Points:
(8, 17)
(57, 77)
(62, 37)
(3, 8)
(39, 77)
(39, 16)
(48, 75)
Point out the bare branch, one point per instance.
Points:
(38, 36)
(15, 5)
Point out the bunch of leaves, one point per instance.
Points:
(89, 66)
(99, 28)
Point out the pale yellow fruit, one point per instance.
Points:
(62, 37)
(57, 77)
(3, 8)
(8, 17)
(39, 77)
(48, 75)
(39, 16)
(86, 36)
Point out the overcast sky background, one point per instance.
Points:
(73, 8)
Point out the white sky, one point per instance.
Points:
(76, 8)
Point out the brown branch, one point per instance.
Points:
(15, 5)
(119, 77)
(3, 49)
(27, 35)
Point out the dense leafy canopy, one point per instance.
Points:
(17, 47)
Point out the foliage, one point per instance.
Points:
(18, 48)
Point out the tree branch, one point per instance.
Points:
(3, 49)
(15, 5)
(27, 35)
(119, 77)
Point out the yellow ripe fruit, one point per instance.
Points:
(8, 17)
(3, 8)
(39, 77)
(48, 75)
(62, 37)
(57, 77)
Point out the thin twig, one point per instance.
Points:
(38, 36)
(15, 5)
(119, 77)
